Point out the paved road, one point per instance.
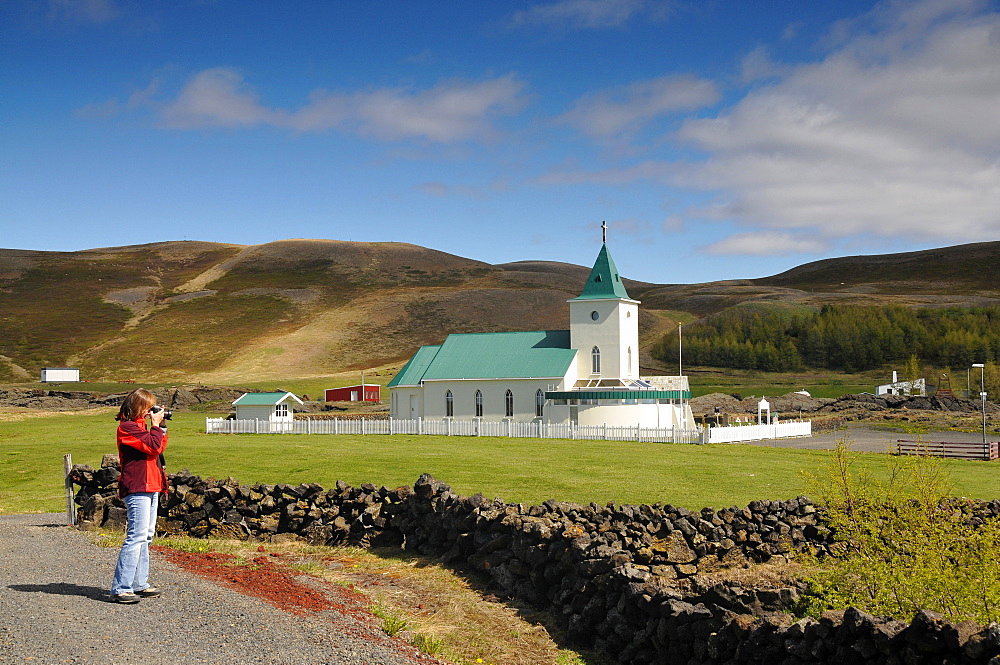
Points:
(865, 439)
(54, 608)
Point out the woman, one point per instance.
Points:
(142, 480)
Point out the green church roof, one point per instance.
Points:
(413, 371)
(604, 281)
(540, 354)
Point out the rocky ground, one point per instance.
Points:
(217, 398)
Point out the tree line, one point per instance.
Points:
(841, 337)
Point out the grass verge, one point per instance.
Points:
(517, 470)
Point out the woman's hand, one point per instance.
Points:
(155, 418)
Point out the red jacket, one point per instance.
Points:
(139, 452)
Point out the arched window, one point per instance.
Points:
(539, 402)
(595, 361)
(479, 404)
(449, 404)
(508, 404)
(630, 360)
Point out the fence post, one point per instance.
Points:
(420, 425)
(362, 427)
(70, 505)
(638, 433)
(256, 426)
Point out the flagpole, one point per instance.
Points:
(680, 352)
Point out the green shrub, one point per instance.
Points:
(903, 543)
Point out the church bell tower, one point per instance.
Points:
(604, 325)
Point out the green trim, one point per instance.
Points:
(619, 394)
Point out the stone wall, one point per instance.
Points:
(647, 584)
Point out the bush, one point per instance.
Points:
(903, 544)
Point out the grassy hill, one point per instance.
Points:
(212, 312)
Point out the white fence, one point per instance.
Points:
(758, 432)
(508, 428)
(536, 430)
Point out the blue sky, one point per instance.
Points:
(719, 140)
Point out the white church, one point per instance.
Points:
(587, 375)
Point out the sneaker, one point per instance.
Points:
(148, 592)
(125, 598)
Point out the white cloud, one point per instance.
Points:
(589, 14)
(217, 97)
(765, 244)
(893, 134)
(451, 111)
(621, 111)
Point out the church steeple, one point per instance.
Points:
(604, 281)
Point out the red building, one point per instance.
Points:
(369, 392)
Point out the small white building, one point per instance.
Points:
(60, 375)
(915, 387)
(273, 407)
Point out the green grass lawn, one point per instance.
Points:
(516, 470)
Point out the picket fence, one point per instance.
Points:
(508, 428)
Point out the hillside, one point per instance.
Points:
(183, 311)
(177, 311)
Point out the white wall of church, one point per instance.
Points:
(494, 398)
(615, 331)
(406, 403)
(630, 415)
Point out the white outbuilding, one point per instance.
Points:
(273, 407)
(60, 375)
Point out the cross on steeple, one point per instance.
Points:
(604, 232)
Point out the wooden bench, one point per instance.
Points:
(949, 449)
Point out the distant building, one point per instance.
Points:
(587, 375)
(60, 375)
(274, 407)
(915, 387)
(367, 392)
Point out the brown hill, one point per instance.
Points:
(184, 311)
(178, 311)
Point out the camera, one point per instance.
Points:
(166, 412)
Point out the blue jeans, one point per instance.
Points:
(132, 571)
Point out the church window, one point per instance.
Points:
(449, 404)
(479, 404)
(630, 360)
(539, 402)
(508, 401)
(595, 361)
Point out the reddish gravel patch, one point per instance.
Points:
(263, 578)
(267, 577)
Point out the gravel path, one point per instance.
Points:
(869, 440)
(54, 608)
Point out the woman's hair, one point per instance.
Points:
(135, 403)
